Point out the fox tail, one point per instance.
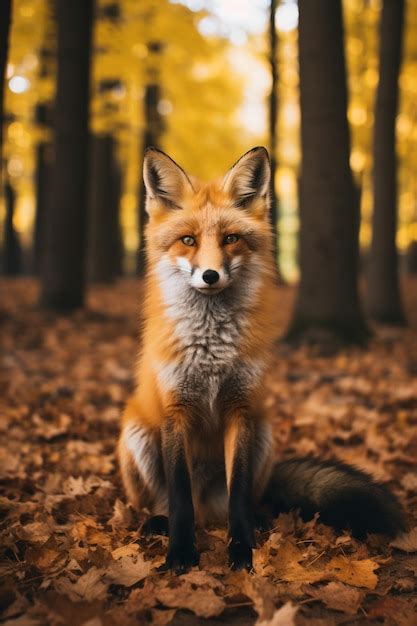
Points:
(344, 496)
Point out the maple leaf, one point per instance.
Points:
(338, 596)
(89, 586)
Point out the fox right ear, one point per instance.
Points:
(166, 182)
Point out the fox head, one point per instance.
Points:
(208, 236)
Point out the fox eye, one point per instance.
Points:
(188, 240)
(231, 239)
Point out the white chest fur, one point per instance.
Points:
(210, 330)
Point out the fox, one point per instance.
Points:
(196, 445)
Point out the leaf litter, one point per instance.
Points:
(71, 550)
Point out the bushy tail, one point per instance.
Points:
(344, 496)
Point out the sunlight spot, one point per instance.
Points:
(19, 84)
(287, 17)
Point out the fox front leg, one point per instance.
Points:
(182, 552)
(239, 472)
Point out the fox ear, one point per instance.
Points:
(249, 177)
(165, 181)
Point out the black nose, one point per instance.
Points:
(210, 277)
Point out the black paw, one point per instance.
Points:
(180, 559)
(156, 525)
(240, 556)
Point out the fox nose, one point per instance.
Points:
(210, 277)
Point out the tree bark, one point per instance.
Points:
(43, 177)
(327, 303)
(383, 301)
(44, 120)
(104, 249)
(12, 260)
(151, 137)
(63, 272)
(152, 132)
(273, 108)
(5, 20)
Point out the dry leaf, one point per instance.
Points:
(407, 542)
(353, 572)
(338, 596)
(128, 570)
(87, 587)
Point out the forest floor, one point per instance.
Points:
(71, 553)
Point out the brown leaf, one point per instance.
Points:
(407, 542)
(128, 570)
(193, 591)
(359, 573)
(87, 587)
(338, 596)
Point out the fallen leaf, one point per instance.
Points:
(338, 596)
(87, 587)
(407, 542)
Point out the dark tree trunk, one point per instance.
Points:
(44, 149)
(151, 137)
(63, 272)
(104, 248)
(153, 128)
(383, 292)
(328, 302)
(12, 260)
(273, 108)
(43, 177)
(5, 19)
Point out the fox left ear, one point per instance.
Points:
(166, 182)
(249, 178)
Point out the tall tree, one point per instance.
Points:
(12, 251)
(5, 18)
(104, 240)
(152, 132)
(383, 298)
(327, 302)
(44, 120)
(273, 107)
(63, 274)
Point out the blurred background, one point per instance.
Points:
(204, 80)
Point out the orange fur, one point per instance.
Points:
(208, 213)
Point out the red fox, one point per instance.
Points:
(195, 443)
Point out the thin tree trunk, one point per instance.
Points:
(104, 232)
(153, 128)
(44, 121)
(273, 108)
(327, 303)
(12, 261)
(63, 273)
(43, 177)
(5, 20)
(383, 293)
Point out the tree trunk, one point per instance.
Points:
(12, 260)
(44, 121)
(273, 106)
(63, 273)
(5, 19)
(152, 132)
(104, 248)
(383, 291)
(327, 303)
(43, 177)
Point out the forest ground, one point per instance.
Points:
(71, 553)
